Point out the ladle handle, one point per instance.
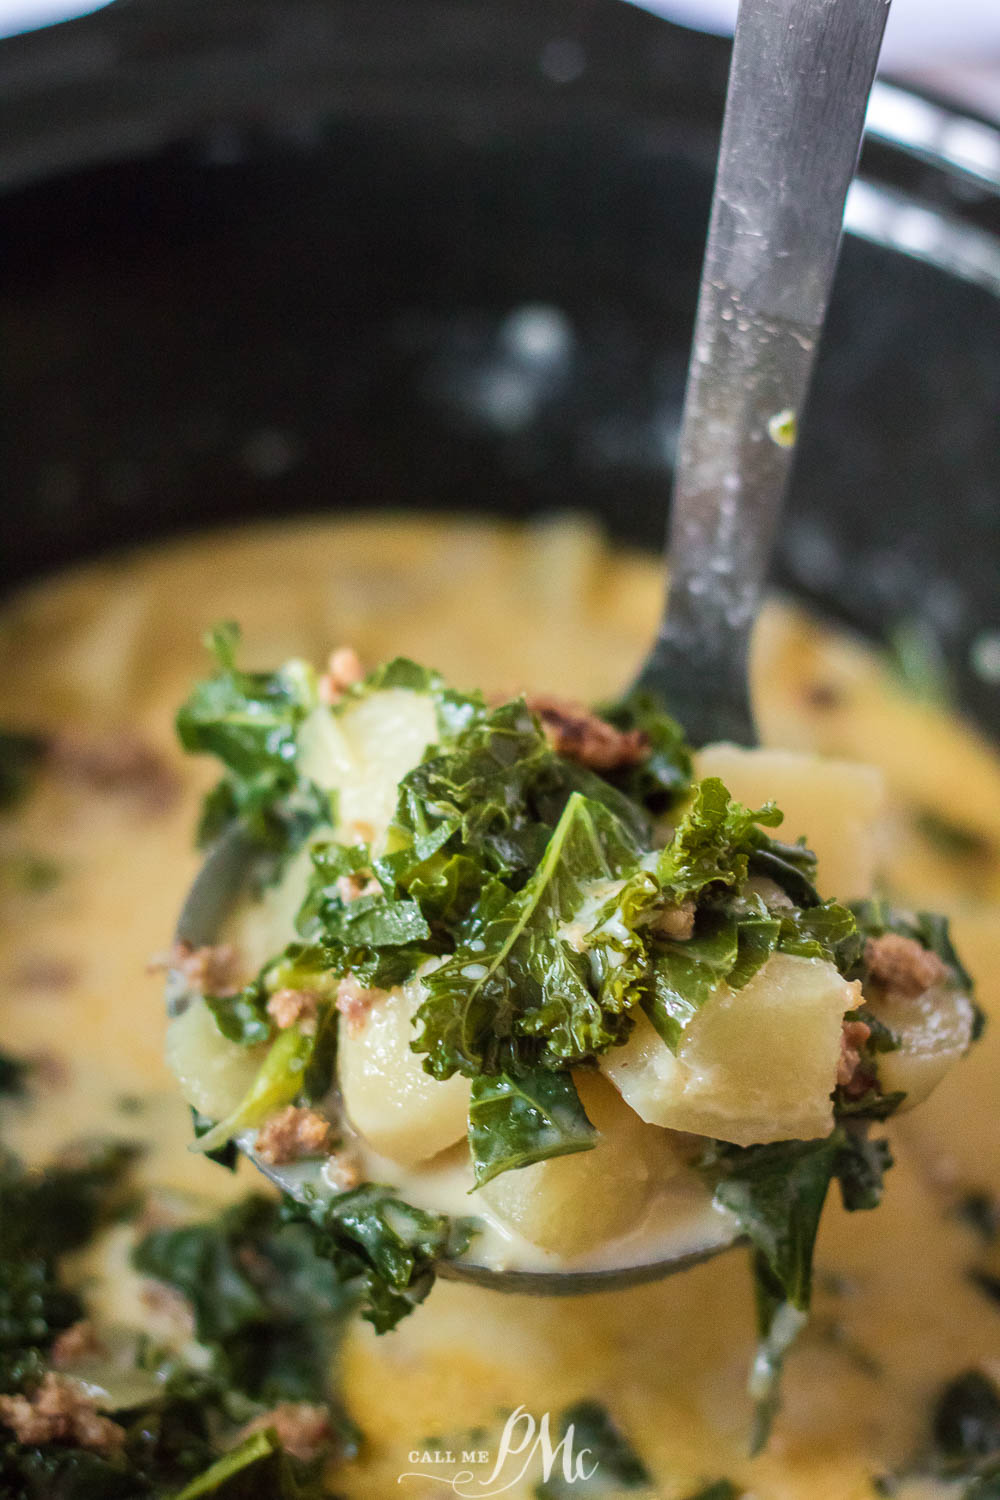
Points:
(799, 82)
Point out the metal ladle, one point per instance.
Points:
(799, 82)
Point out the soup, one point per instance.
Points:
(897, 1313)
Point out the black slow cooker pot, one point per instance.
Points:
(313, 255)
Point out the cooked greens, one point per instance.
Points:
(268, 1318)
(607, 1464)
(383, 1250)
(538, 908)
(249, 721)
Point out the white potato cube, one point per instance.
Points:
(836, 804)
(363, 752)
(934, 1030)
(213, 1072)
(755, 1064)
(571, 1204)
(401, 1111)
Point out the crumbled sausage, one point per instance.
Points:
(902, 964)
(675, 922)
(58, 1412)
(342, 1170)
(75, 1343)
(211, 970)
(343, 670)
(852, 1076)
(294, 1007)
(303, 1430)
(292, 1133)
(575, 732)
(353, 1001)
(117, 762)
(350, 887)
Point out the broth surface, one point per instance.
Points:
(546, 607)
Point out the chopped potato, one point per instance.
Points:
(836, 804)
(401, 1111)
(934, 1029)
(755, 1064)
(571, 1204)
(214, 1073)
(363, 753)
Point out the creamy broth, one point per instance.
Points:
(895, 1313)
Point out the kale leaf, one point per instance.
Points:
(658, 781)
(713, 841)
(250, 721)
(608, 1463)
(257, 1467)
(966, 1422)
(776, 1193)
(51, 1212)
(515, 992)
(14, 1072)
(242, 1017)
(500, 789)
(517, 1120)
(383, 1250)
(43, 1216)
(264, 1303)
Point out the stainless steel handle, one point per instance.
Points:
(799, 82)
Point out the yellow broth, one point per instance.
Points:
(895, 1315)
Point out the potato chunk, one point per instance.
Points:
(934, 1030)
(755, 1064)
(214, 1073)
(836, 804)
(361, 755)
(401, 1111)
(572, 1204)
(363, 752)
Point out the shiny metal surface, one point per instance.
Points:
(799, 83)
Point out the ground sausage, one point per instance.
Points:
(58, 1412)
(294, 1008)
(292, 1133)
(303, 1430)
(211, 970)
(75, 1343)
(353, 1001)
(575, 732)
(902, 964)
(343, 670)
(852, 1076)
